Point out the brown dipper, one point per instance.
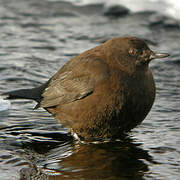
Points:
(101, 93)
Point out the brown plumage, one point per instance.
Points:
(101, 93)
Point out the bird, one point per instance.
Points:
(101, 93)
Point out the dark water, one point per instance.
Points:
(38, 37)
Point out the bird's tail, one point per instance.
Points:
(21, 94)
(31, 93)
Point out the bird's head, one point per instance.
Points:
(141, 53)
(131, 52)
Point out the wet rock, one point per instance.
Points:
(115, 11)
(158, 20)
(32, 173)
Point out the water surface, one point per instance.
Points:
(37, 38)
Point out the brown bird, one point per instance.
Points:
(101, 93)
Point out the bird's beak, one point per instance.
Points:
(158, 55)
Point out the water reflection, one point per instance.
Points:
(71, 160)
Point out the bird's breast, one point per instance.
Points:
(133, 98)
(139, 99)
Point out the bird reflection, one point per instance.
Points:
(111, 160)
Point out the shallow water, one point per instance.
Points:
(38, 37)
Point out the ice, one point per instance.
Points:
(4, 104)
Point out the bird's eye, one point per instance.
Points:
(133, 52)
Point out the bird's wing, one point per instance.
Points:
(75, 84)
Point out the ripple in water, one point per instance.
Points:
(38, 37)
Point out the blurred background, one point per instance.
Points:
(36, 39)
